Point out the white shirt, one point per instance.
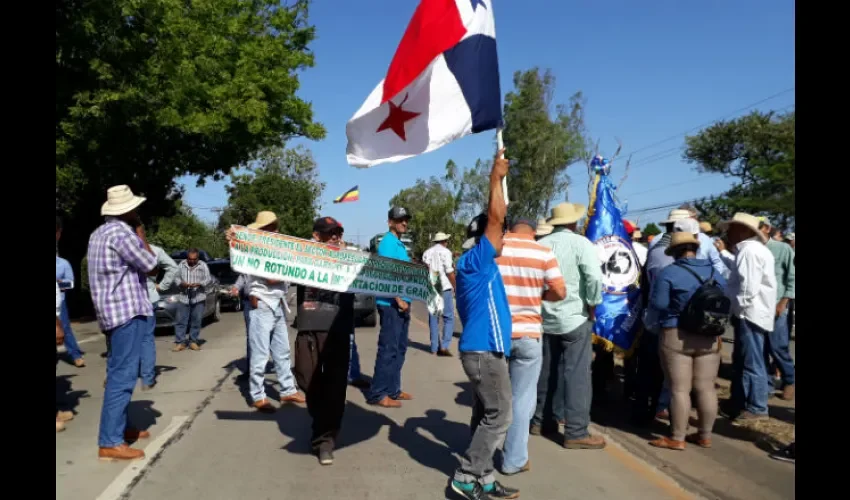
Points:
(439, 260)
(272, 295)
(58, 300)
(641, 252)
(752, 283)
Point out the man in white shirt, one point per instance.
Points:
(752, 288)
(635, 234)
(438, 258)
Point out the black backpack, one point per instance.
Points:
(708, 311)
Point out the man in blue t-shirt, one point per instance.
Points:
(395, 323)
(485, 344)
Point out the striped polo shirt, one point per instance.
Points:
(528, 269)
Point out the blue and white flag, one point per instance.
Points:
(618, 316)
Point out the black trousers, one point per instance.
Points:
(649, 380)
(321, 370)
(602, 372)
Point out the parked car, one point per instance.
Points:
(227, 277)
(166, 309)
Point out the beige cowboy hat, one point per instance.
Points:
(748, 221)
(705, 227)
(543, 228)
(440, 237)
(678, 239)
(120, 200)
(264, 218)
(566, 213)
(676, 214)
(637, 234)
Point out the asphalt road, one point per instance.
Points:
(207, 443)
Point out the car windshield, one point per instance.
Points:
(223, 272)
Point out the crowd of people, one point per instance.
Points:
(526, 293)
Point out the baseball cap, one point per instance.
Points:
(686, 226)
(630, 228)
(398, 213)
(326, 225)
(764, 220)
(524, 220)
(474, 230)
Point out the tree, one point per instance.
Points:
(433, 208)
(759, 150)
(185, 230)
(541, 140)
(284, 181)
(651, 230)
(150, 90)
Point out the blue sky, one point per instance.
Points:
(649, 70)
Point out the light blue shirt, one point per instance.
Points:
(392, 248)
(708, 251)
(482, 301)
(167, 264)
(65, 274)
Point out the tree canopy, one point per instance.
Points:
(651, 229)
(284, 181)
(759, 150)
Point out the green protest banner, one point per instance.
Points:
(321, 265)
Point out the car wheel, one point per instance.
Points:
(216, 316)
(371, 319)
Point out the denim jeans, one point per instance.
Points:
(353, 361)
(71, 345)
(147, 354)
(565, 388)
(524, 365)
(491, 414)
(392, 347)
(269, 335)
(749, 381)
(189, 317)
(122, 371)
(448, 323)
(776, 346)
(246, 313)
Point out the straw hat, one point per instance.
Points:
(120, 200)
(263, 219)
(705, 227)
(543, 228)
(748, 221)
(790, 236)
(678, 239)
(566, 213)
(440, 237)
(636, 235)
(677, 214)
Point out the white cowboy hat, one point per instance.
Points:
(440, 237)
(543, 228)
(676, 214)
(566, 213)
(263, 219)
(120, 200)
(790, 236)
(686, 226)
(750, 222)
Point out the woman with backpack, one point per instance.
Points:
(693, 313)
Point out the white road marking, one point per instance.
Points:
(119, 485)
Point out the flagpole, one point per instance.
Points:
(500, 144)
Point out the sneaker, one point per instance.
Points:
(470, 491)
(326, 457)
(786, 454)
(498, 490)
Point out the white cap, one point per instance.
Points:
(686, 226)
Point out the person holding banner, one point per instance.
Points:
(268, 333)
(395, 323)
(325, 323)
(484, 344)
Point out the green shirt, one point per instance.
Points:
(783, 257)
(579, 263)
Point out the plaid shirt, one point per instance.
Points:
(199, 274)
(118, 264)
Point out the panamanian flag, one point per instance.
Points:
(442, 84)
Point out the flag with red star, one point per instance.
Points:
(442, 84)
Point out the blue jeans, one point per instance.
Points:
(565, 389)
(189, 317)
(448, 323)
(269, 334)
(664, 398)
(122, 371)
(246, 312)
(148, 356)
(777, 346)
(353, 362)
(70, 341)
(750, 381)
(524, 365)
(392, 347)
